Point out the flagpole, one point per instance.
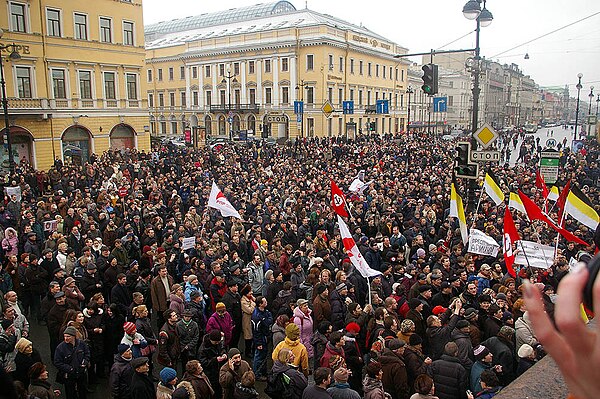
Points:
(562, 219)
(369, 288)
(526, 258)
(477, 208)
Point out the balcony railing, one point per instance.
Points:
(240, 108)
(44, 104)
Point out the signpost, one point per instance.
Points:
(382, 107)
(485, 136)
(549, 162)
(327, 108)
(440, 104)
(299, 107)
(485, 156)
(348, 107)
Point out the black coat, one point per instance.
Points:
(142, 387)
(120, 378)
(504, 355)
(88, 285)
(438, 337)
(72, 360)
(207, 356)
(24, 362)
(121, 296)
(450, 378)
(234, 307)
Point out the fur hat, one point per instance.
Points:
(525, 351)
(413, 303)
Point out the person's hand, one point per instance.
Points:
(368, 308)
(259, 347)
(573, 346)
(231, 365)
(221, 358)
(136, 341)
(427, 360)
(498, 368)
(470, 395)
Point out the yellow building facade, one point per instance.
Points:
(241, 70)
(77, 88)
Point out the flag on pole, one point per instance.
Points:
(358, 186)
(511, 235)
(580, 207)
(218, 201)
(354, 254)
(541, 184)
(338, 200)
(515, 202)
(535, 213)
(458, 211)
(553, 194)
(562, 198)
(492, 188)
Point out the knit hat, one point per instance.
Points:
(147, 248)
(232, 352)
(122, 348)
(407, 325)
(215, 335)
(335, 362)
(395, 343)
(415, 339)
(129, 328)
(413, 303)
(194, 294)
(470, 313)
(353, 328)
(69, 330)
(181, 392)
(480, 352)
(525, 351)
(341, 375)
(69, 280)
(220, 306)
(321, 289)
(506, 332)
(292, 331)
(167, 375)
(438, 310)
(420, 252)
(341, 287)
(462, 324)
(263, 242)
(22, 344)
(191, 278)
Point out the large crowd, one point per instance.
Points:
(97, 255)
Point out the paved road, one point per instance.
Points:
(546, 135)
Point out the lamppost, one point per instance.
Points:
(300, 88)
(14, 56)
(591, 96)
(597, 103)
(472, 10)
(228, 79)
(579, 87)
(409, 91)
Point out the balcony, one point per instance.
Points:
(238, 108)
(29, 105)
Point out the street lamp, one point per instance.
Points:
(300, 87)
(472, 10)
(409, 91)
(228, 79)
(597, 103)
(591, 96)
(579, 87)
(14, 56)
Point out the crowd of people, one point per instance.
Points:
(97, 255)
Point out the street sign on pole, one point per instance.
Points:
(440, 104)
(485, 136)
(549, 161)
(382, 107)
(348, 107)
(298, 107)
(485, 156)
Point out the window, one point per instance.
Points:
(163, 128)
(105, 30)
(383, 70)
(310, 95)
(267, 66)
(170, 73)
(53, 22)
(268, 92)
(391, 74)
(58, 83)
(23, 82)
(236, 68)
(284, 64)
(310, 62)
(285, 95)
(360, 97)
(182, 72)
(341, 64)
(340, 95)
(149, 75)
(128, 33)
(402, 75)
(369, 69)
(161, 99)
(195, 98)
(109, 86)
(80, 26)
(209, 98)
(207, 71)
(150, 100)
(237, 97)
(183, 100)
(172, 99)
(330, 94)
(194, 72)
(250, 66)
(221, 69)
(132, 86)
(369, 97)
(330, 62)
(360, 67)
(351, 94)
(352, 66)
(376, 70)
(222, 97)
(85, 85)
(173, 127)
(17, 17)
(252, 95)
(160, 74)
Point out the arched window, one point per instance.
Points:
(222, 127)
(208, 125)
(122, 136)
(76, 145)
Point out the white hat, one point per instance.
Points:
(525, 351)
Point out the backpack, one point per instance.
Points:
(279, 386)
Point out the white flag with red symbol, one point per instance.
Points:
(354, 254)
(218, 201)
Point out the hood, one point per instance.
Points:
(10, 229)
(86, 313)
(277, 328)
(175, 298)
(370, 384)
(298, 313)
(291, 343)
(279, 367)
(389, 357)
(456, 334)
(284, 294)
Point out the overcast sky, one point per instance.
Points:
(421, 25)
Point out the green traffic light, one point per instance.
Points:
(427, 89)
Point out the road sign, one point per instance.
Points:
(298, 107)
(230, 114)
(382, 107)
(485, 156)
(440, 104)
(592, 119)
(327, 108)
(549, 161)
(485, 136)
(230, 119)
(550, 143)
(276, 119)
(299, 118)
(348, 107)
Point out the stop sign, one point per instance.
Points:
(122, 192)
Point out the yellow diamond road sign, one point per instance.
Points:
(327, 108)
(485, 136)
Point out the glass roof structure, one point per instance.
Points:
(219, 18)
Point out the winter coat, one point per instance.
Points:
(96, 340)
(176, 304)
(262, 320)
(278, 334)
(450, 378)
(234, 307)
(188, 337)
(342, 391)
(331, 351)
(476, 371)
(136, 349)
(305, 323)
(10, 245)
(395, 378)
(438, 337)
(415, 363)
(465, 348)
(322, 310)
(298, 349)
(200, 384)
(23, 363)
(228, 378)
(120, 378)
(41, 390)
(163, 391)
(298, 381)
(373, 389)
(524, 365)
(72, 360)
(168, 345)
(524, 332)
(338, 310)
(248, 306)
(142, 387)
(318, 342)
(504, 355)
(159, 293)
(207, 355)
(488, 393)
(144, 327)
(222, 323)
(491, 327)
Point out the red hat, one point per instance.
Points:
(146, 248)
(129, 328)
(353, 328)
(160, 250)
(439, 310)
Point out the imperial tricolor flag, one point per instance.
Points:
(354, 254)
(218, 201)
(511, 235)
(458, 211)
(580, 207)
(338, 200)
(492, 188)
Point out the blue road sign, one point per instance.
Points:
(382, 106)
(298, 107)
(230, 119)
(348, 107)
(440, 104)
(299, 118)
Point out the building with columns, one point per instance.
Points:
(241, 70)
(77, 87)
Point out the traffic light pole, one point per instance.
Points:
(476, 90)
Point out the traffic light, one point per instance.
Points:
(462, 166)
(371, 126)
(462, 154)
(430, 79)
